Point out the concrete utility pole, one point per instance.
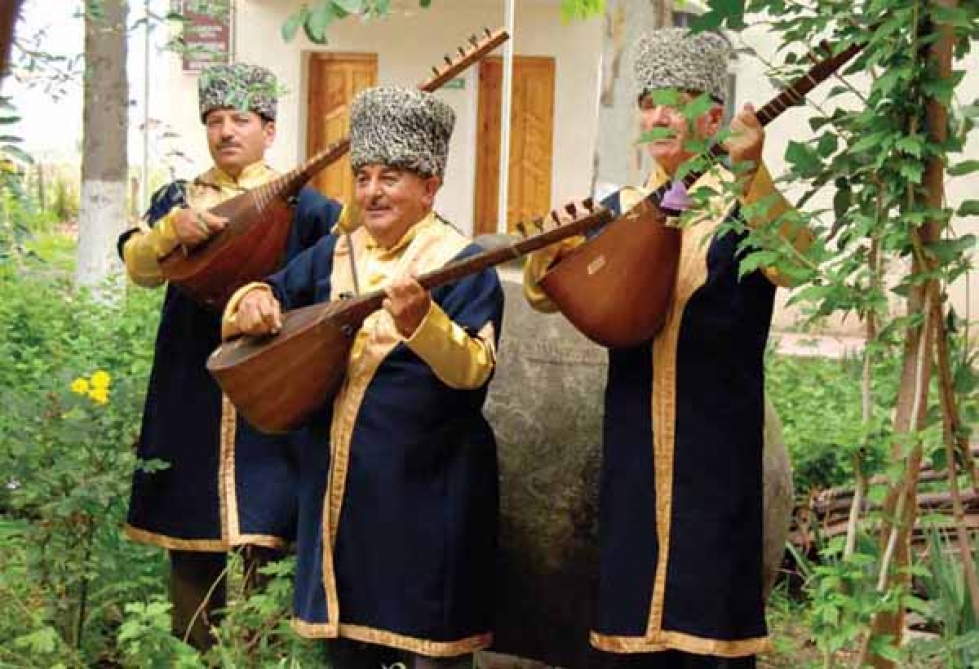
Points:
(502, 217)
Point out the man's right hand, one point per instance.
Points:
(259, 313)
(193, 226)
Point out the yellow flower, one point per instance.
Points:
(79, 386)
(99, 395)
(101, 379)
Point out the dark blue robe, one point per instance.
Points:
(199, 502)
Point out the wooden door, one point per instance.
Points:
(531, 139)
(334, 80)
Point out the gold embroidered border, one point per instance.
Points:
(174, 543)
(228, 487)
(264, 540)
(687, 643)
(432, 246)
(691, 275)
(227, 492)
(379, 637)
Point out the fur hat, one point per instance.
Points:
(678, 58)
(238, 86)
(401, 127)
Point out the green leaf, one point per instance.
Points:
(665, 97)
(729, 13)
(290, 27)
(910, 144)
(803, 158)
(951, 16)
(912, 171)
(317, 22)
(965, 167)
(655, 134)
(349, 6)
(827, 144)
(968, 208)
(697, 107)
(950, 250)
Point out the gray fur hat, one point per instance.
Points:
(238, 86)
(678, 58)
(401, 127)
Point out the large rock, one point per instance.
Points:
(545, 406)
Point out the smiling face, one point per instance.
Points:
(237, 139)
(391, 200)
(669, 152)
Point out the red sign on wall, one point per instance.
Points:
(206, 36)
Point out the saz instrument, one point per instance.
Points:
(252, 244)
(277, 381)
(616, 288)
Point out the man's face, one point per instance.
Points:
(392, 200)
(237, 139)
(670, 152)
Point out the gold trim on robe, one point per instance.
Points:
(691, 275)
(429, 244)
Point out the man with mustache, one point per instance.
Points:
(397, 533)
(224, 484)
(680, 584)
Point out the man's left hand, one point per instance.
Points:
(408, 303)
(747, 138)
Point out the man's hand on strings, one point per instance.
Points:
(259, 313)
(747, 139)
(193, 226)
(408, 303)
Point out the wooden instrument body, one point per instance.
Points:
(617, 287)
(250, 248)
(277, 382)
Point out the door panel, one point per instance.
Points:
(334, 80)
(531, 141)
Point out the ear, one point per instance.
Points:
(432, 185)
(715, 116)
(269, 131)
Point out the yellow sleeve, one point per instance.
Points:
(229, 320)
(459, 360)
(762, 187)
(536, 267)
(144, 249)
(540, 261)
